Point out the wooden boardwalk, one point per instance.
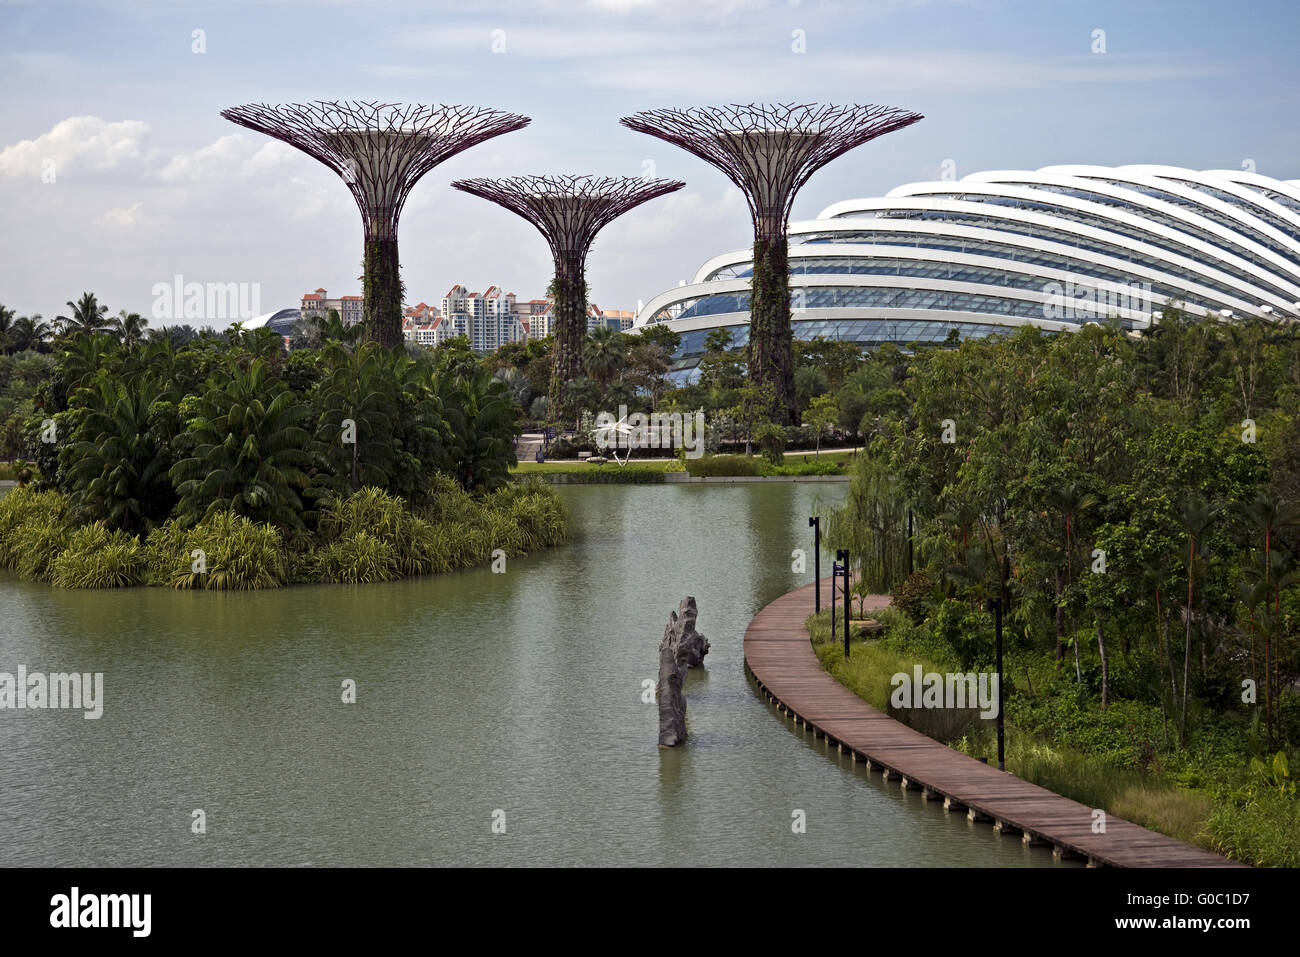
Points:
(781, 660)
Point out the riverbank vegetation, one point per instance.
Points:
(366, 536)
(343, 461)
(1131, 502)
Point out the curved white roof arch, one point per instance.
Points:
(1220, 239)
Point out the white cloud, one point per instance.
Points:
(81, 144)
(127, 218)
(233, 156)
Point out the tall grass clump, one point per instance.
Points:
(237, 554)
(98, 558)
(34, 528)
(448, 502)
(357, 558)
(368, 536)
(363, 522)
(536, 512)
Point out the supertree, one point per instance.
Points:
(380, 150)
(568, 211)
(770, 151)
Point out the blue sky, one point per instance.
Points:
(151, 182)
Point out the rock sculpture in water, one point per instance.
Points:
(681, 649)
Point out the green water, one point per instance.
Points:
(476, 692)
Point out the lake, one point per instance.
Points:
(513, 697)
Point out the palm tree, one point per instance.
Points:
(115, 461)
(357, 411)
(484, 422)
(129, 327)
(87, 315)
(177, 335)
(29, 332)
(315, 331)
(6, 323)
(248, 450)
(82, 355)
(602, 355)
(517, 384)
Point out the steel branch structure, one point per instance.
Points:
(769, 152)
(569, 211)
(380, 150)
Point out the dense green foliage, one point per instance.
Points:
(137, 432)
(1131, 500)
(147, 449)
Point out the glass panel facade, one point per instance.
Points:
(985, 275)
(843, 297)
(868, 333)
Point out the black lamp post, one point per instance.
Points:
(843, 556)
(909, 541)
(815, 522)
(995, 606)
(835, 571)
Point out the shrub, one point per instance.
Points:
(162, 550)
(911, 596)
(356, 558)
(448, 501)
(711, 465)
(966, 630)
(98, 558)
(771, 439)
(501, 532)
(34, 529)
(536, 513)
(811, 467)
(608, 475)
(39, 542)
(1258, 826)
(238, 554)
(20, 507)
(565, 448)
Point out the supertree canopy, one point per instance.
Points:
(568, 211)
(769, 152)
(380, 150)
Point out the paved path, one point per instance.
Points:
(780, 658)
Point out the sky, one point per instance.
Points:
(117, 173)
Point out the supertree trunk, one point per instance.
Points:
(570, 331)
(381, 292)
(771, 340)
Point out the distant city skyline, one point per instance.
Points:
(117, 173)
